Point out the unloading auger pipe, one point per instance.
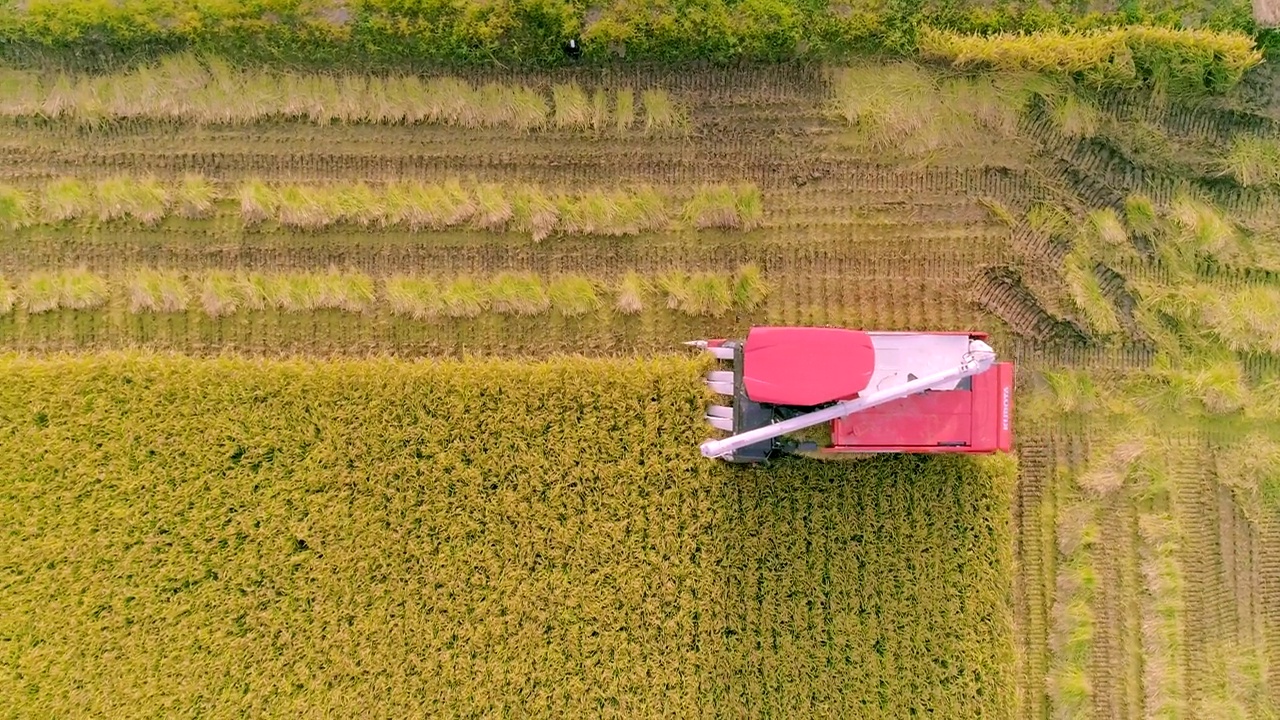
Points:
(977, 360)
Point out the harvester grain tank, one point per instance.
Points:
(898, 392)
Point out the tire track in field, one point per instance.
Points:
(1058, 354)
(1108, 666)
(1001, 292)
(1031, 596)
(1204, 123)
(1129, 591)
(1268, 593)
(1241, 567)
(1208, 615)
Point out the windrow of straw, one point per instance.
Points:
(220, 293)
(905, 108)
(208, 91)
(410, 205)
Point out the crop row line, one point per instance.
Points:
(220, 293)
(186, 88)
(406, 204)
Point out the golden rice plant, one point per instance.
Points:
(461, 472)
(306, 207)
(258, 202)
(1086, 291)
(903, 108)
(749, 288)
(352, 292)
(573, 295)
(8, 297)
(1075, 116)
(1204, 229)
(714, 207)
(533, 212)
(513, 293)
(700, 293)
(194, 197)
(624, 113)
(1140, 213)
(419, 298)
(661, 113)
(1244, 320)
(1049, 219)
(76, 289)
(66, 199)
(142, 199)
(599, 110)
(359, 204)
(309, 291)
(498, 106)
(493, 209)
(15, 208)
(998, 210)
(613, 212)
(572, 107)
(158, 291)
(221, 293)
(464, 297)
(1124, 56)
(1253, 160)
(632, 290)
(435, 206)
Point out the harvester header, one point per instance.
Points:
(900, 392)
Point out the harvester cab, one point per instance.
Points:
(900, 392)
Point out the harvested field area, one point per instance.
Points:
(383, 537)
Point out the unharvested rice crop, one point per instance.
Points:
(496, 538)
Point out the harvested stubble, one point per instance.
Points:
(190, 89)
(478, 538)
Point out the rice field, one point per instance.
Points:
(302, 537)
(364, 290)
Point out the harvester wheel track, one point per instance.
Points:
(1000, 291)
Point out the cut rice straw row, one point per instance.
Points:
(409, 205)
(219, 293)
(207, 91)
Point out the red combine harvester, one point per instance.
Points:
(900, 392)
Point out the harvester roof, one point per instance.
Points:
(806, 365)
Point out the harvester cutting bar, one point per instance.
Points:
(719, 352)
(979, 358)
